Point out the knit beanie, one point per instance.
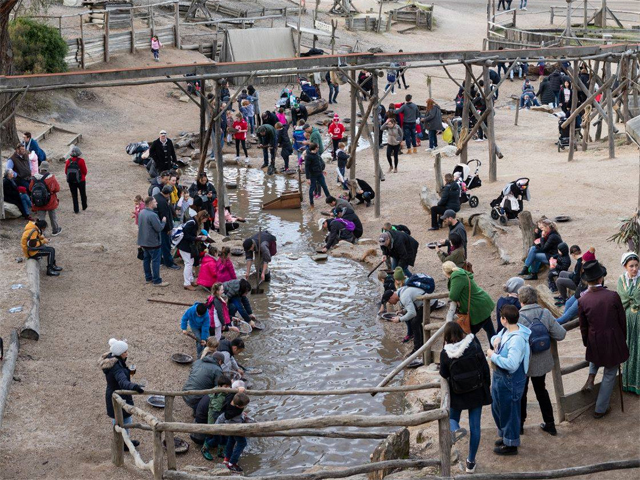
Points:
(513, 285)
(398, 274)
(118, 347)
(589, 256)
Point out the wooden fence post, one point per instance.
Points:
(574, 105)
(353, 126)
(176, 28)
(168, 436)
(444, 432)
(60, 25)
(437, 168)
(158, 455)
(153, 22)
(491, 135)
(426, 334)
(552, 14)
(133, 32)
(81, 42)
(558, 386)
(375, 142)
(610, 126)
(117, 442)
(106, 36)
(465, 112)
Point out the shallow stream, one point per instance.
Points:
(322, 333)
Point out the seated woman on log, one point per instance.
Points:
(540, 253)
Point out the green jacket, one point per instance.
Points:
(216, 401)
(481, 303)
(317, 138)
(457, 257)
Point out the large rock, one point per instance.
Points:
(11, 211)
(394, 447)
(428, 198)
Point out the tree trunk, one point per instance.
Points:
(527, 227)
(8, 132)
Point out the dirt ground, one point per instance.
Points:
(55, 424)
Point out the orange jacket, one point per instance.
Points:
(31, 232)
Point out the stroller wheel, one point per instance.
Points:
(473, 201)
(495, 214)
(503, 219)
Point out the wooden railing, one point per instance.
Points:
(277, 428)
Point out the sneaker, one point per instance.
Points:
(161, 284)
(407, 338)
(598, 415)
(206, 454)
(470, 466)
(558, 298)
(234, 467)
(237, 159)
(173, 267)
(55, 233)
(524, 271)
(52, 273)
(560, 303)
(505, 450)
(221, 450)
(225, 461)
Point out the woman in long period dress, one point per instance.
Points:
(629, 291)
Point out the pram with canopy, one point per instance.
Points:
(511, 200)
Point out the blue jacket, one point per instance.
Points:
(197, 323)
(513, 349)
(33, 146)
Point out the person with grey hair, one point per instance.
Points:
(17, 195)
(541, 361)
(76, 171)
(511, 288)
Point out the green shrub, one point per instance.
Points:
(37, 48)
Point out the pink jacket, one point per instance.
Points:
(208, 272)
(33, 163)
(155, 44)
(225, 271)
(228, 218)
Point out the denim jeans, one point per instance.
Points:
(506, 391)
(535, 259)
(394, 264)
(334, 89)
(556, 100)
(26, 204)
(409, 130)
(125, 421)
(474, 428)
(390, 86)
(53, 218)
(316, 184)
(235, 447)
(252, 124)
(265, 156)
(433, 139)
(570, 310)
(523, 3)
(156, 53)
(240, 305)
(165, 249)
(151, 265)
(199, 346)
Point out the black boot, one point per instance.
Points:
(52, 273)
(532, 276)
(505, 450)
(524, 271)
(56, 268)
(550, 428)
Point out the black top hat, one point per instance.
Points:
(593, 271)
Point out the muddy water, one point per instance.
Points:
(321, 333)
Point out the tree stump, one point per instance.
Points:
(527, 227)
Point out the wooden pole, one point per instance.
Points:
(299, 32)
(603, 13)
(354, 125)
(574, 105)
(31, 328)
(491, 136)
(81, 42)
(610, 134)
(567, 30)
(168, 436)
(585, 20)
(465, 111)
(375, 145)
(158, 455)
(426, 333)
(133, 32)
(444, 432)
(106, 36)
(10, 360)
(515, 121)
(176, 28)
(117, 442)
(153, 23)
(558, 386)
(219, 161)
(437, 170)
(379, 17)
(203, 118)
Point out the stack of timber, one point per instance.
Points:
(119, 13)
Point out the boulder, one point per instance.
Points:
(394, 447)
(428, 198)
(11, 211)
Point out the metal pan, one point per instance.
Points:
(156, 401)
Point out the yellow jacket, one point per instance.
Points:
(31, 232)
(174, 196)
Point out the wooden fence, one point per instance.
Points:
(238, 10)
(421, 17)
(368, 24)
(292, 427)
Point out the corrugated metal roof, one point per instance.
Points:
(260, 44)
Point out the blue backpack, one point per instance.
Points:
(539, 340)
(421, 281)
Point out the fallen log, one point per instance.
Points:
(316, 106)
(491, 231)
(31, 328)
(10, 359)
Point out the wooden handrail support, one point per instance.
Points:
(132, 450)
(248, 429)
(444, 430)
(574, 368)
(305, 393)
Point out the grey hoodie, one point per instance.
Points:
(408, 300)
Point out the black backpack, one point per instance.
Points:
(464, 380)
(40, 194)
(74, 175)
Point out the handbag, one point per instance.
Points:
(464, 319)
(140, 253)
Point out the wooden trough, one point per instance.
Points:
(286, 201)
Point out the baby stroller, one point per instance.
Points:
(564, 138)
(511, 200)
(286, 99)
(468, 181)
(309, 92)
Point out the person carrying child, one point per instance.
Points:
(558, 263)
(156, 45)
(248, 113)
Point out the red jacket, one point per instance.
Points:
(226, 271)
(54, 187)
(83, 167)
(336, 129)
(240, 125)
(603, 325)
